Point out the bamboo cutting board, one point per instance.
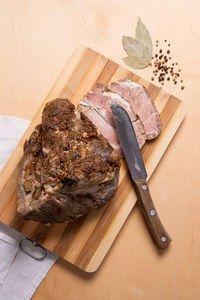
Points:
(85, 242)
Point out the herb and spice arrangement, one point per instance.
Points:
(140, 55)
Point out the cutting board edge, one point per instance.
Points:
(76, 55)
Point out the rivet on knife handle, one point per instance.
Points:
(158, 232)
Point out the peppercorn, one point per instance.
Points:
(161, 69)
(165, 41)
(182, 87)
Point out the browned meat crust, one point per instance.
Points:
(69, 168)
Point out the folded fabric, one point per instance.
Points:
(11, 130)
(9, 248)
(20, 274)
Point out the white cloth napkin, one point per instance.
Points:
(20, 274)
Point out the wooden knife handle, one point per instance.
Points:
(158, 232)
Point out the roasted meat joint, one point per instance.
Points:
(69, 168)
(72, 159)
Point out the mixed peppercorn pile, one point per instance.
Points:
(164, 68)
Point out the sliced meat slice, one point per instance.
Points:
(137, 124)
(110, 96)
(100, 102)
(106, 129)
(141, 103)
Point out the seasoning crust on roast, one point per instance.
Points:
(69, 168)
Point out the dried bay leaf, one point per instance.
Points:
(140, 49)
(136, 62)
(143, 36)
(132, 46)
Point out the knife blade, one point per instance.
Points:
(132, 153)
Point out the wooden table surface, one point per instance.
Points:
(36, 39)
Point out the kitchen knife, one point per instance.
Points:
(132, 153)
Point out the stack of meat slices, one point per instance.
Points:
(131, 96)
